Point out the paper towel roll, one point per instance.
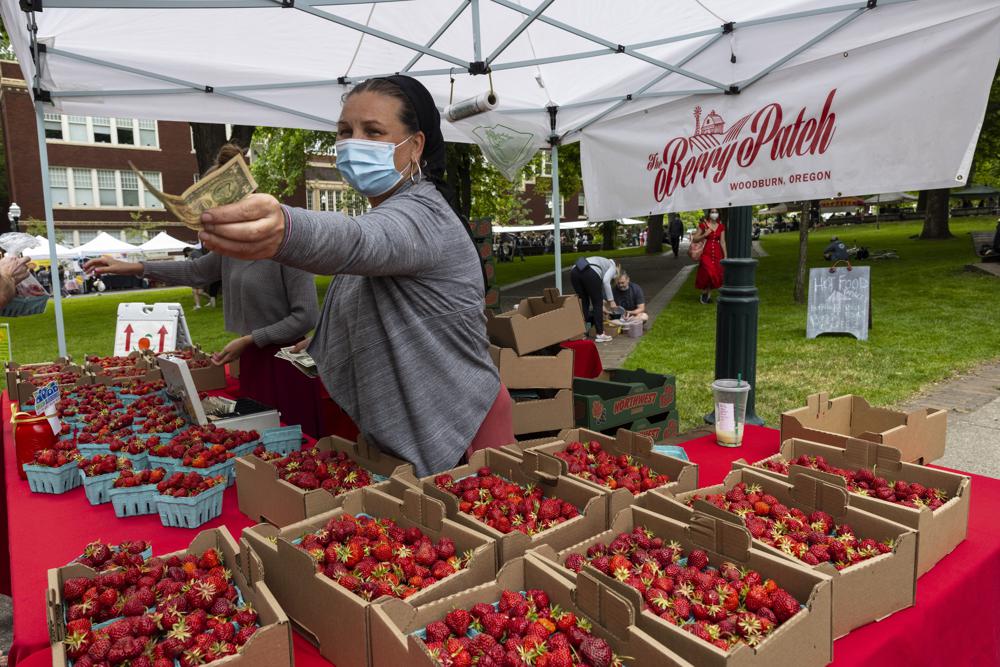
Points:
(472, 106)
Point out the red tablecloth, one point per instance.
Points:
(952, 623)
(586, 358)
(954, 619)
(47, 531)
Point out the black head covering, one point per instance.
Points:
(429, 122)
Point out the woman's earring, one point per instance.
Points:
(416, 175)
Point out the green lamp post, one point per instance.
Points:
(736, 317)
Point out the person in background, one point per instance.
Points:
(268, 304)
(630, 302)
(675, 230)
(403, 324)
(12, 271)
(591, 278)
(710, 272)
(193, 254)
(836, 251)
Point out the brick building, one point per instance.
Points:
(94, 189)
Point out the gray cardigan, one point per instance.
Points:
(273, 303)
(401, 344)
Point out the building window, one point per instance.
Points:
(101, 130)
(59, 186)
(78, 128)
(87, 235)
(125, 131)
(546, 167)
(83, 187)
(53, 126)
(130, 188)
(147, 133)
(581, 204)
(154, 179)
(107, 186)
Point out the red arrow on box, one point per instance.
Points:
(128, 337)
(163, 336)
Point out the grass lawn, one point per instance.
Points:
(90, 320)
(931, 319)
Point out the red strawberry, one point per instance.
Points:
(437, 631)
(596, 651)
(494, 624)
(458, 622)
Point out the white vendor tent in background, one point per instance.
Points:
(575, 224)
(41, 251)
(164, 243)
(106, 244)
(890, 198)
(753, 92)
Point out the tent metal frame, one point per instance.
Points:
(479, 66)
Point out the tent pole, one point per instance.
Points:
(556, 215)
(50, 227)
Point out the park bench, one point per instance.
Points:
(981, 242)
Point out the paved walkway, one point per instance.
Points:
(660, 276)
(973, 404)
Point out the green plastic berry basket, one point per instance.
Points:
(88, 449)
(282, 440)
(168, 463)
(97, 487)
(139, 461)
(134, 500)
(42, 479)
(21, 306)
(227, 468)
(191, 511)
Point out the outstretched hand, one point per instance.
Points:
(252, 228)
(106, 265)
(232, 351)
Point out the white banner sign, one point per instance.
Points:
(902, 114)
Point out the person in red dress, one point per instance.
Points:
(713, 233)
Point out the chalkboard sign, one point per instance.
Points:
(839, 301)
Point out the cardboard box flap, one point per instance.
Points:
(796, 471)
(719, 535)
(818, 404)
(814, 492)
(423, 509)
(603, 606)
(545, 467)
(865, 454)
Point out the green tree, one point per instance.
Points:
(6, 51)
(570, 175)
(494, 197)
(280, 156)
(140, 226)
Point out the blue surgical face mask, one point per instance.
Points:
(368, 166)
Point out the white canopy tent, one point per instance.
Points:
(106, 244)
(575, 224)
(163, 243)
(890, 198)
(619, 75)
(41, 251)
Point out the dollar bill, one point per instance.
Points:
(229, 183)
(301, 360)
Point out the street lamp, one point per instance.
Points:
(13, 214)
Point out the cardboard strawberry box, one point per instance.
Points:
(397, 625)
(329, 615)
(589, 501)
(264, 497)
(133, 359)
(939, 530)
(803, 639)
(659, 428)
(15, 372)
(25, 388)
(206, 376)
(537, 322)
(918, 435)
(270, 645)
(683, 475)
(553, 410)
(118, 375)
(533, 371)
(864, 592)
(619, 396)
